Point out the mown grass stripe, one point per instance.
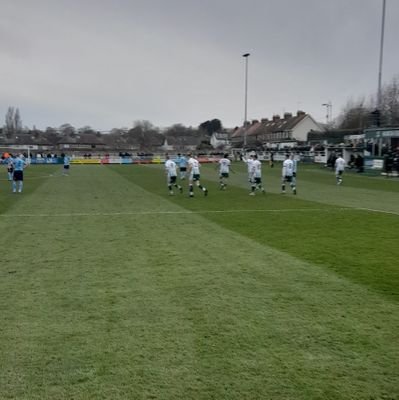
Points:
(127, 213)
(374, 210)
(206, 305)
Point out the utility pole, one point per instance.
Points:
(328, 112)
(246, 55)
(379, 99)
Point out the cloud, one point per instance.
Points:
(106, 64)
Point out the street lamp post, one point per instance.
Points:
(246, 55)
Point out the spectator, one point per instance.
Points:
(359, 163)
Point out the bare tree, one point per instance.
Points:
(86, 129)
(67, 130)
(52, 135)
(355, 115)
(142, 134)
(9, 126)
(119, 131)
(13, 121)
(17, 121)
(390, 103)
(144, 125)
(214, 125)
(178, 130)
(360, 114)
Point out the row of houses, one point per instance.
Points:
(267, 133)
(40, 143)
(257, 134)
(91, 143)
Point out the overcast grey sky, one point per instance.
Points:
(107, 63)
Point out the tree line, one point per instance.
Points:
(143, 133)
(358, 113)
(362, 113)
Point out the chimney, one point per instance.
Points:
(287, 115)
(300, 113)
(254, 121)
(276, 118)
(264, 120)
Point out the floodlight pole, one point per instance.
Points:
(379, 94)
(246, 55)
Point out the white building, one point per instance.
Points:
(293, 128)
(219, 140)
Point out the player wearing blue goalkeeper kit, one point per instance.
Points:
(67, 161)
(182, 162)
(18, 176)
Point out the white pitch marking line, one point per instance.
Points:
(30, 178)
(377, 211)
(112, 214)
(116, 214)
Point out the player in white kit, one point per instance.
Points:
(171, 175)
(288, 174)
(224, 170)
(256, 176)
(339, 169)
(194, 176)
(249, 162)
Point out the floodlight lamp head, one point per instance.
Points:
(246, 54)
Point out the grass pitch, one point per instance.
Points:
(112, 289)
